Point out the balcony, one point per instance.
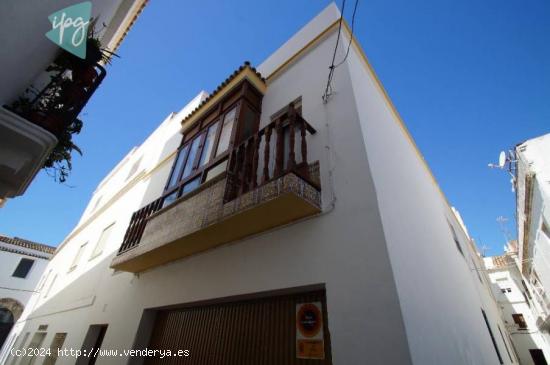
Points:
(263, 187)
(31, 127)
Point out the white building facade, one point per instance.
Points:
(262, 225)
(532, 168)
(22, 264)
(517, 308)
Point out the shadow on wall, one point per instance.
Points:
(95, 275)
(10, 311)
(78, 305)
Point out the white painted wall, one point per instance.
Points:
(514, 302)
(440, 299)
(534, 159)
(18, 288)
(398, 290)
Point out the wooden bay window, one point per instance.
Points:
(204, 151)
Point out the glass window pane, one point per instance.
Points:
(169, 199)
(208, 144)
(216, 170)
(191, 185)
(249, 123)
(227, 127)
(177, 166)
(192, 155)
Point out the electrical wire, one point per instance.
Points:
(351, 36)
(328, 89)
(332, 67)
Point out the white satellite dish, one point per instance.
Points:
(501, 159)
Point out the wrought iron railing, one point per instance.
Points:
(55, 106)
(135, 229)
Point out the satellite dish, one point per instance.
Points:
(501, 159)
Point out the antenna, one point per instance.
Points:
(484, 250)
(503, 223)
(507, 158)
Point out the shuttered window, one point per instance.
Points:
(23, 268)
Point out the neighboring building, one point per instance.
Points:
(30, 127)
(517, 308)
(262, 225)
(532, 186)
(22, 264)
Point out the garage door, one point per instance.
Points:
(291, 329)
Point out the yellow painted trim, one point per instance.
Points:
(396, 114)
(301, 52)
(370, 69)
(246, 73)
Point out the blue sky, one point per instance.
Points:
(469, 78)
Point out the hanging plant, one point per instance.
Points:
(57, 106)
(59, 162)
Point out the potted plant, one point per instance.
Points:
(56, 107)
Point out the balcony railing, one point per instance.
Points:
(56, 105)
(251, 164)
(133, 234)
(268, 182)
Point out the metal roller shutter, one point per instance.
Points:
(258, 331)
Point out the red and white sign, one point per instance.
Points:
(309, 331)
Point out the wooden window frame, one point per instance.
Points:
(519, 319)
(243, 95)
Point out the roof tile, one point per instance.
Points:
(16, 241)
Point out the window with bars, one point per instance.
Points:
(23, 268)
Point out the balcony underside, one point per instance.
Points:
(202, 221)
(24, 147)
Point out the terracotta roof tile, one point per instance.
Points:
(130, 25)
(220, 86)
(502, 261)
(16, 241)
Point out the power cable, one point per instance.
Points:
(328, 89)
(332, 67)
